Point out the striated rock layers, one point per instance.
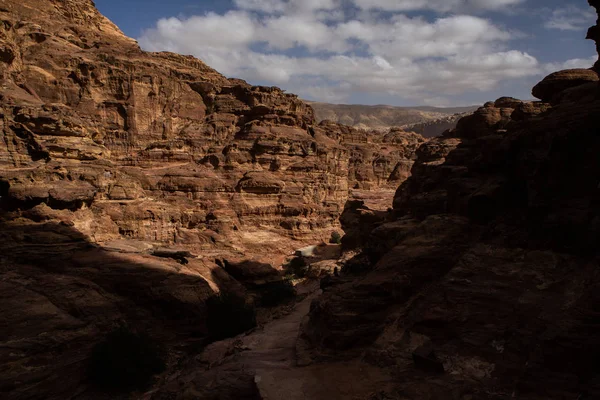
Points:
(483, 282)
(159, 143)
(129, 179)
(376, 160)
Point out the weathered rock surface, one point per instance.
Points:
(160, 143)
(135, 185)
(488, 261)
(105, 144)
(556, 83)
(378, 162)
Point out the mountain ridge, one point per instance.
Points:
(382, 117)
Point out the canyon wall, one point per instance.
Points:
(161, 147)
(156, 144)
(482, 282)
(126, 177)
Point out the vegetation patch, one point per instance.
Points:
(336, 238)
(298, 267)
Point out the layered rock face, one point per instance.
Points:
(160, 143)
(377, 160)
(482, 283)
(125, 175)
(104, 144)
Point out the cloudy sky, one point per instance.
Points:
(399, 52)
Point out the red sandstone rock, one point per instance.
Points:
(112, 157)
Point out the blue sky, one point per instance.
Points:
(398, 52)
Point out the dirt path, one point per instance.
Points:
(272, 346)
(269, 354)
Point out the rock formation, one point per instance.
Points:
(553, 86)
(159, 142)
(376, 159)
(135, 185)
(482, 283)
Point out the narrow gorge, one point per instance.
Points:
(136, 188)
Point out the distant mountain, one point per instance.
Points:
(382, 117)
(430, 129)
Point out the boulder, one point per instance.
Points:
(554, 84)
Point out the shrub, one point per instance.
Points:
(275, 293)
(228, 316)
(336, 238)
(298, 267)
(125, 361)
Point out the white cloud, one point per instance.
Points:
(283, 6)
(436, 5)
(571, 18)
(314, 49)
(210, 29)
(571, 64)
(286, 32)
(266, 6)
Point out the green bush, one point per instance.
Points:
(275, 293)
(298, 267)
(336, 238)
(125, 361)
(228, 316)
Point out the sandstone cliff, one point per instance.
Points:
(126, 177)
(480, 283)
(160, 143)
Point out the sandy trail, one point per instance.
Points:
(270, 354)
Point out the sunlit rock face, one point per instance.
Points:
(164, 133)
(160, 146)
(129, 179)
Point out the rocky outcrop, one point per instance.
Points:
(482, 281)
(554, 85)
(124, 176)
(135, 185)
(378, 161)
(358, 220)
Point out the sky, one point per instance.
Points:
(396, 52)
